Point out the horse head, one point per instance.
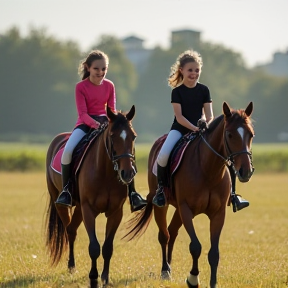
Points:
(238, 136)
(121, 143)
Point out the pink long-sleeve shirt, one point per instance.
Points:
(92, 100)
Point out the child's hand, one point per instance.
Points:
(96, 125)
(202, 124)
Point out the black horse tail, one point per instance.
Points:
(137, 225)
(56, 238)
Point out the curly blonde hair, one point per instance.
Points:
(176, 77)
(87, 62)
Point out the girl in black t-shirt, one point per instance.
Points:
(191, 101)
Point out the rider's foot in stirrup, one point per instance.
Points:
(64, 198)
(159, 199)
(136, 202)
(239, 202)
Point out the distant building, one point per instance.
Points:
(139, 55)
(278, 66)
(136, 53)
(186, 37)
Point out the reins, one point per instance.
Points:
(111, 153)
(229, 161)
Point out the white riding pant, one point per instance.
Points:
(72, 142)
(171, 140)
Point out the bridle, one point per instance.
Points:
(112, 154)
(229, 161)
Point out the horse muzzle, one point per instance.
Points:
(244, 175)
(126, 176)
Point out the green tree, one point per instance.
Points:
(37, 79)
(269, 95)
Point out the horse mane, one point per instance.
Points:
(215, 122)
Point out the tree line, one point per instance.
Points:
(38, 74)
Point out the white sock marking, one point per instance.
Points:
(193, 280)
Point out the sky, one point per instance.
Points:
(254, 28)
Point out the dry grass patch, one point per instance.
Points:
(253, 244)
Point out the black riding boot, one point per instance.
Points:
(136, 201)
(238, 202)
(159, 199)
(65, 198)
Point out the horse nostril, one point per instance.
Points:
(240, 171)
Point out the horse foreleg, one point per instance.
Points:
(113, 222)
(216, 225)
(94, 246)
(72, 233)
(194, 247)
(173, 229)
(163, 238)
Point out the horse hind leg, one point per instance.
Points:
(163, 238)
(72, 234)
(173, 229)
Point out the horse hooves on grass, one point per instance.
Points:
(94, 283)
(192, 286)
(165, 275)
(71, 270)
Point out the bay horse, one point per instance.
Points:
(201, 184)
(106, 170)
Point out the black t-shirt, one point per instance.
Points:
(192, 101)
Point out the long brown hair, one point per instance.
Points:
(87, 62)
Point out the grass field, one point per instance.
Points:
(253, 244)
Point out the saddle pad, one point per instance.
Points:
(176, 154)
(56, 161)
(79, 151)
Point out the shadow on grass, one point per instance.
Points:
(43, 282)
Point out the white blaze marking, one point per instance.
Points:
(123, 135)
(241, 132)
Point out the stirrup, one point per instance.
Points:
(136, 201)
(64, 199)
(159, 199)
(238, 202)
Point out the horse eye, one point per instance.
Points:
(229, 134)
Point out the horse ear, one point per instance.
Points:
(111, 115)
(249, 109)
(226, 110)
(130, 115)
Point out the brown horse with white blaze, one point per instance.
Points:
(201, 184)
(106, 170)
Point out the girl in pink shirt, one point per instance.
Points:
(92, 95)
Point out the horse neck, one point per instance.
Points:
(215, 139)
(101, 150)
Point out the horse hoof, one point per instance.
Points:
(192, 286)
(94, 283)
(71, 270)
(165, 275)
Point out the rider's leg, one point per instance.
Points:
(65, 197)
(162, 160)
